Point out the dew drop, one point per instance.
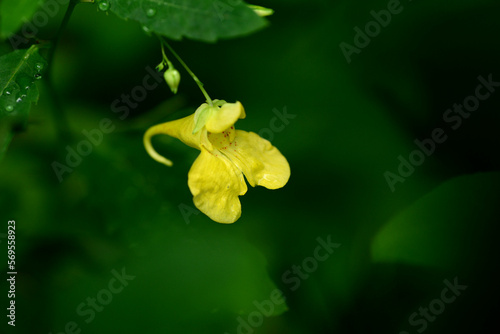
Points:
(12, 89)
(38, 76)
(24, 83)
(39, 67)
(104, 6)
(9, 108)
(151, 12)
(146, 29)
(19, 100)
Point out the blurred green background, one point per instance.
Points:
(120, 209)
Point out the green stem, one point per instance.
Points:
(195, 78)
(63, 25)
(165, 58)
(60, 119)
(59, 114)
(6, 137)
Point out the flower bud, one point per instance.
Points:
(160, 67)
(172, 77)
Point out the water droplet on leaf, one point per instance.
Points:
(19, 100)
(151, 12)
(24, 83)
(104, 5)
(38, 76)
(9, 108)
(146, 30)
(39, 67)
(12, 89)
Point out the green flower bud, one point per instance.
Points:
(172, 77)
(160, 67)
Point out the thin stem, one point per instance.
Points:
(165, 58)
(60, 118)
(59, 115)
(195, 78)
(63, 25)
(6, 141)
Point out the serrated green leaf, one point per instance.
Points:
(203, 20)
(13, 13)
(18, 72)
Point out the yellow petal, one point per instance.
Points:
(181, 129)
(259, 160)
(224, 117)
(216, 184)
(205, 142)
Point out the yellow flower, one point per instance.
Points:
(216, 177)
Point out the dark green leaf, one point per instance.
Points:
(18, 72)
(204, 20)
(13, 13)
(439, 227)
